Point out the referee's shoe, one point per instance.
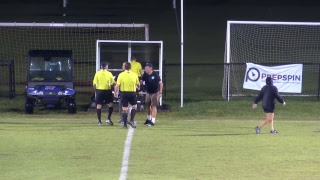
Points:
(131, 124)
(108, 121)
(147, 122)
(150, 124)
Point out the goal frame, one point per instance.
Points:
(129, 55)
(92, 25)
(19, 57)
(227, 56)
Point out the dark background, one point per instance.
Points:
(204, 29)
(205, 20)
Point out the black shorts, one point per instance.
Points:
(104, 96)
(128, 97)
(268, 110)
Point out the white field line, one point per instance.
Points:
(287, 121)
(190, 120)
(126, 154)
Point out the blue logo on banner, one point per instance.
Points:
(253, 74)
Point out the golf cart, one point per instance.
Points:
(50, 80)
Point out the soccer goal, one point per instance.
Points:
(18, 38)
(270, 44)
(116, 52)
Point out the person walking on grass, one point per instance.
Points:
(102, 82)
(268, 94)
(154, 87)
(127, 83)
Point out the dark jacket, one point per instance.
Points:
(268, 94)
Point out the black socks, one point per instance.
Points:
(99, 115)
(110, 112)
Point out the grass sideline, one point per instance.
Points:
(203, 140)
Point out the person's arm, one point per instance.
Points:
(278, 97)
(112, 81)
(160, 87)
(116, 90)
(258, 98)
(94, 83)
(138, 83)
(141, 72)
(117, 86)
(141, 87)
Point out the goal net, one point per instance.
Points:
(18, 38)
(117, 52)
(270, 44)
(7, 79)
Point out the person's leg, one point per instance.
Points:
(125, 109)
(109, 100)
(110, 111)
(148, 108)
(149, 112)
(271, 121)
(99, 114)
(154, 105)
(153, 114)
(268, 119)
(132, 99)
(133, 112)
(99, 102)
(133, 102)
(125, 116)
(272, 130)
(120, 109)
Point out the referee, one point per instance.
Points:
(102, 82)
(127, 82)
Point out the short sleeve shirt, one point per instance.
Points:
(136, 67)
(152, 82)
(128, 81)
(103, 80)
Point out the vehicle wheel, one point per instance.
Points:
(72, 106)
(28, 106)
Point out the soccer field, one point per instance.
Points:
(216, 143)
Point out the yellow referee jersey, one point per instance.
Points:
(103, 80)
(136, 67)
(128, 81)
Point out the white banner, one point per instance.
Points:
(287, 78)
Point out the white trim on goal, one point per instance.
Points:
(72, 25)
(130, 45)
(80, 25)
(273, 22)
(270, 42)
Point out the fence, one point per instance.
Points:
(207, 82)
(201, 81)
(236, 73)
(7, 79)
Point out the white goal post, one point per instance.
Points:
(270, 43)
(116, 52)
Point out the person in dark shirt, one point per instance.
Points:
(153, 89)
(268, 94)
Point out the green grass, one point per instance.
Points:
(202, 140)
